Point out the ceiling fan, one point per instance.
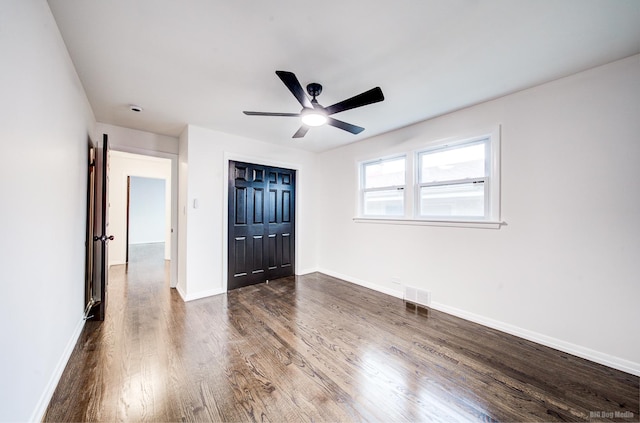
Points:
(314, 114)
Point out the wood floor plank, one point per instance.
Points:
(315, 348)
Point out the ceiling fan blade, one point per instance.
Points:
(294, 86)
(344, 125)
(301, 132)
(374, 95)
(270, 114)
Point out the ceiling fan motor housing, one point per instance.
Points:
(314, 89)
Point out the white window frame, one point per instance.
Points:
(487, 179)
(363, 190)
(491, 218)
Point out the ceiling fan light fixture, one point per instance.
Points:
(314, 117)
(313, 113)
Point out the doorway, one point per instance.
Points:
(124, 167)
(147, 216)
(261, 223)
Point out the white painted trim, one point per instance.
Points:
(363, 283)
(47, 394)
(482, 224)
(173, 266)
(201, 294)
(181, 293)
(306, 271)
(141, 151)
(567, 347)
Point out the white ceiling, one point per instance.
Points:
(203, 62)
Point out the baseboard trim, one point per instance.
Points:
(201, 294)
(558, 344)
(47, 394)
(567, 347)
(363, 283)
(180, 292)
(306, 271)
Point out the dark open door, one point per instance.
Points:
(91, 195)
(261, 244)
(99, 239)
(128, 215)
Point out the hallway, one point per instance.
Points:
(118, 368)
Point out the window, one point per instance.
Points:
(382, 187)
(453, 181)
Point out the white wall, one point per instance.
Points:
(205, 179)
(148, 220)
(183, 188)
(135, 141)
(45, 124)
(127, 164)
(564, 270)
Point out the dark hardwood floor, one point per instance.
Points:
(314, 348)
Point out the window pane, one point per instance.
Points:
(461, 200)
(384, 203)
(384, 173)
(454, 164)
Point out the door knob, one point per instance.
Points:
(103, 238)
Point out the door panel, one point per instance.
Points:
(258, 254)
(96, 308)
(272, 205)
(89, 297)
(286, 250)
(261, 209)
(241, 206)
(240, 256)
(286, 206)
(258, 205)
(258, 175)
(273, 252)
(283, 226)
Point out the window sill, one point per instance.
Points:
(421, 222)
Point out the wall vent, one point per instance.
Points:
(417, 296)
